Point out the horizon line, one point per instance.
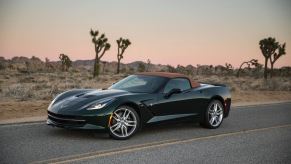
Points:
(142, 61)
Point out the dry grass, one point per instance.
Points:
(44, 86)
(24, 95)
(249, 83)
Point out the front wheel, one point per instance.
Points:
(213, 115)
(124, 123)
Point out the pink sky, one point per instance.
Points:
(166, 32)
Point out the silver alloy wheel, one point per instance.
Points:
(123, 123)
(215, 114)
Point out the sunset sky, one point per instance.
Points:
(164, 31)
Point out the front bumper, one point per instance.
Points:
(78, 122)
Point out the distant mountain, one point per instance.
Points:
(34, 64)
(111, 66)
(91, 63)
(83, 62)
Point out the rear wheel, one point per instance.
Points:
(213, 115)
(124, 123)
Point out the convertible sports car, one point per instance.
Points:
(140, 99)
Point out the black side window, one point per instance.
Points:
(179, 83)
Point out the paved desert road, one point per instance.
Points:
(253, 134)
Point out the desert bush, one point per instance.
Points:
(41, 86)
(189, 70)
(123, 70)
(19, 91)
(276, 84)
(130, 70)
(28, 79)
(74, 70)
(2, 66)
(170, 69)
(141, 67)
(205, 70)
(248, 83)
(54, 90)
(269, 85)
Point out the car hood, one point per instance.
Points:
(79, 101)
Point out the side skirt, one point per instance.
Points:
(170, 117)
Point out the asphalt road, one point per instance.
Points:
(253, 134)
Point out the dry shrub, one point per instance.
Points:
(276, 84)
(53, 91)
(19, 91)
(28, 79)
(249, 83)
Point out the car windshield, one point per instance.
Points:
(140, 83)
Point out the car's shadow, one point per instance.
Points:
(77, 134)
(169, 127)
(146, 131)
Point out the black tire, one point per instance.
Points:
(133, 116)
(206, 121)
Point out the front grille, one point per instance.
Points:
(65, 120)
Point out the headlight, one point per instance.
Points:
(100, 104)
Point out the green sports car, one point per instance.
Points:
(138, 100)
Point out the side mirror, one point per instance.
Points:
(172, 91)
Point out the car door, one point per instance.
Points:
(178, 103)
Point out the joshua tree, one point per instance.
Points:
(275, 56)
(268, 47)
(228, 67)
(253, 62)
(66, 62)
(122, 44)
(101, 46)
